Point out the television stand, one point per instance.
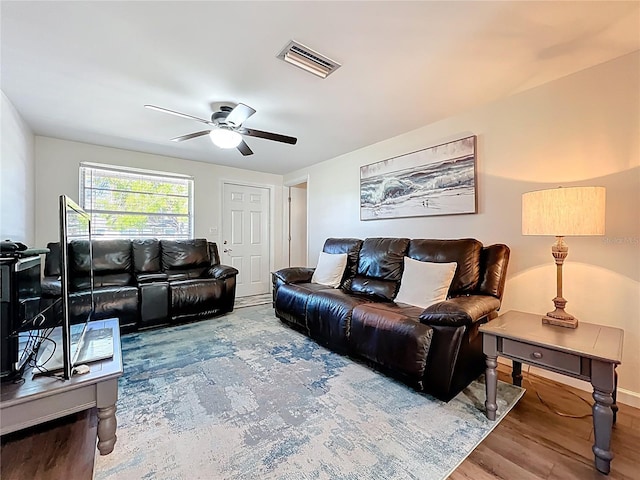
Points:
(39, 399)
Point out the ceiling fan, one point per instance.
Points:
(227, 129)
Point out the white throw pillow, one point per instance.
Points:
(330, 269)
(425, 283)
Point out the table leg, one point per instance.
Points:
(516, 373)
(489, 347)
(107, 396)
(603, 380)
(107, 429)
(614, 407)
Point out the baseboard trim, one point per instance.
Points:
(627, 397)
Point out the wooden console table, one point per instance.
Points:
(40, 399)
(590, 352)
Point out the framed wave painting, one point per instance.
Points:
(438, 180)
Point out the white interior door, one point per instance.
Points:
(245, 236)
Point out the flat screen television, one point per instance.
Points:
(75, 226)
(60, 346)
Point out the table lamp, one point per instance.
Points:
(562, 212)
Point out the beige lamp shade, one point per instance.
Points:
(564, 211)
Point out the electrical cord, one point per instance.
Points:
(39, 366)
(34, 340)
(550, 407)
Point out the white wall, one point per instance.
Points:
(580, 130)
(57, 172)
(17, 173)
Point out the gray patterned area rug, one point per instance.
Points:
(245, 397)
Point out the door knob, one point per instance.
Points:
(226, 250)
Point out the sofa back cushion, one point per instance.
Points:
(112, 263)
(493, 271)
(185, 254)
(213, 254)
(350, 246)
(465, 252)
(52, 260)
(380, 267)
(146, 255)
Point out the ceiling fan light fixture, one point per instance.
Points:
(225, 138)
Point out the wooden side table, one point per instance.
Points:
(40, 399)
(590, 352)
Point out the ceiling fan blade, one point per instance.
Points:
(189, 136)
(183, 115)
(268, 135)
(239, 114)
(244, 148)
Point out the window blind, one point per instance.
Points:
(134, 203)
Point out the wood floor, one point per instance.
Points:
(530, 443)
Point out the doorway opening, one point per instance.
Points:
(297, 235)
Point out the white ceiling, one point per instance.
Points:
(83, 70)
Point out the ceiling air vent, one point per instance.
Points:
(303, 57)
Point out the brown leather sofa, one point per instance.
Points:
(144, 283)
(438, 349)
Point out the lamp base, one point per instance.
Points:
(560, 319)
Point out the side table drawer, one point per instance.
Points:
(542, 356)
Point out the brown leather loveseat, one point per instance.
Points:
(436, 349)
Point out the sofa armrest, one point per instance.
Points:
(459, 311)
(151, 277)
(294, 274)
(221, 272)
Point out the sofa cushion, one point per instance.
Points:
(330, 269)
(380, 267)
(111, 264)
(192, 296)
(109, 256)
(146, 255)
(329, 316)
(465, 252)
(108, 280)
(190, 274)
(382, 258)
(110, 302)
(388, 337)
(382, 290)
(185, 254)
(425, 283)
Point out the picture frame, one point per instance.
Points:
(438, 180)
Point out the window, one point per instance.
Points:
(133, 203)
